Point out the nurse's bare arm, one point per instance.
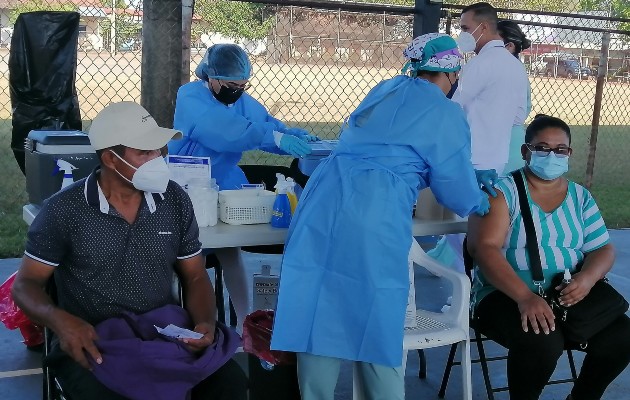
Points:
(485, 239)
(28, 291)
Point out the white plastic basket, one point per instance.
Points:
(246, 206)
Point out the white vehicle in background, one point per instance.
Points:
(5, 37)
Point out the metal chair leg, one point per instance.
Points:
(218, 289)
(572, 364)
(484, 365)
(233, 317)
(447, 370)
(422, 372)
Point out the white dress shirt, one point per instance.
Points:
(492, 90)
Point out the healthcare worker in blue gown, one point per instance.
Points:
(220, 120)
(345, 281)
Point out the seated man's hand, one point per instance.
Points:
(535, 311)
(197, 345)
(76, 338)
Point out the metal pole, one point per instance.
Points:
(290, 32)
(597, 107)
(161, 71)
(339, 60)
(112, 29)
(426, 17)
(383, 43)
(188, 7)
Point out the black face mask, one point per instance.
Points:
(228, 96)
(451, 92)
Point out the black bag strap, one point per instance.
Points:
(531, 241)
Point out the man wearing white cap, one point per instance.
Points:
(113, 241)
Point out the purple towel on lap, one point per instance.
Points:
(141, 364)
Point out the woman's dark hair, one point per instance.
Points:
(512, 33)
(542, 122)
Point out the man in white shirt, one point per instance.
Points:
(492, 88)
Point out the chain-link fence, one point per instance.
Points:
(312, 66)
(563, 64)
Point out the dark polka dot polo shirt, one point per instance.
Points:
(103, 264)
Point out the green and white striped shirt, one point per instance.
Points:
(564, 235)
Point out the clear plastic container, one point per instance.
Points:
(204, 195)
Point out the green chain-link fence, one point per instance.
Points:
(312, 66)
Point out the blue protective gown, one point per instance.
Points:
(344, 281)
(223, 133)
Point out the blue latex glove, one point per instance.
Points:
(294, 146)
(484, 205)
(301, 133)
(487, 178)
(311, 138)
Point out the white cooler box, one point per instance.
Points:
(43, 152)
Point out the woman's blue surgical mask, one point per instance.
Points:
(548, 167)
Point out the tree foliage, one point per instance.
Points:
(233, 19)
(535, 5)
(39, 5)
(616, 8)
(127, 27)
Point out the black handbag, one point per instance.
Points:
(589, 316)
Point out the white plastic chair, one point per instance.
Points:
(438, 329)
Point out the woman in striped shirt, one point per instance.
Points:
(571, 233)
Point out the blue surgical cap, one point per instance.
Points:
(225, 62)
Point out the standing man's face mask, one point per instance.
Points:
(152, 176)
(227, 95)
(548, 167)
(467, 42)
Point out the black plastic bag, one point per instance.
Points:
(42, 71)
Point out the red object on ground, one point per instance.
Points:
(14, 318)
(257, 331)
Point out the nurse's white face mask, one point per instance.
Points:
(152, 176)
(467, 42)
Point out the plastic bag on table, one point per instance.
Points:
(257, 331)
(14, 318)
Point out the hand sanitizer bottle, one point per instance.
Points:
(281, 212)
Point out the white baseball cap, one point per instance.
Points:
(128, 124)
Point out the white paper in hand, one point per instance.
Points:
(178, 333)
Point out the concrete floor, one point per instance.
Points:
(21, 379)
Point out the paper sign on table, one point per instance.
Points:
(185, 169)
(176, 332)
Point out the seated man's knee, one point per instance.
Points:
(228, 383)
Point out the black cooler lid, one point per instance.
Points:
(68, 138)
